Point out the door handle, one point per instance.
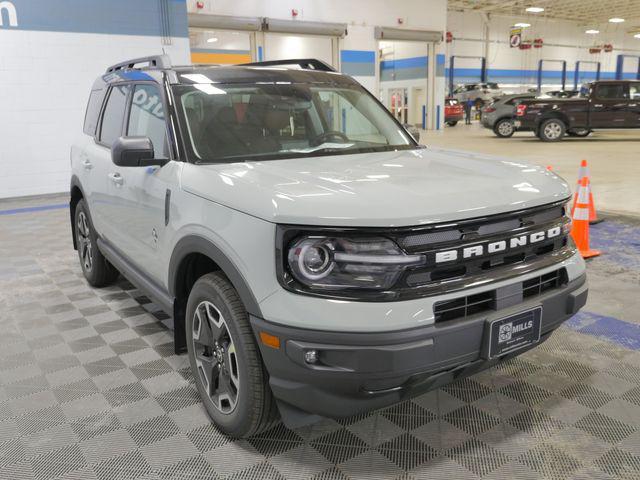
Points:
(116, 178)
(87, 164)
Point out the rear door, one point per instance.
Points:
(633, 108)
(609, 104)
(98, 157)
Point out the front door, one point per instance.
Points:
(138, 194)
(609, 103)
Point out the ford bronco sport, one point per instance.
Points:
(316, 260)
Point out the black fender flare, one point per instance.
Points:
(198, 244)
(75, 183)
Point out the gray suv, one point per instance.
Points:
(316, 260)
(500, 114)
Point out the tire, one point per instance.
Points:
(552, 130)
(225, 359)
(504, 128)
(579, 132)
(453, 123)
(96, 269)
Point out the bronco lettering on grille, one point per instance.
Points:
(498, 246)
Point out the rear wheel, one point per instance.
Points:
(225, 359)
(552, 130)
(504, 128)
(453, 123)
(96, 269)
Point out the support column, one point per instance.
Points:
(432, 103)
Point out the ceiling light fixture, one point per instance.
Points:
(616, 20)
(637, 35)
(522, 25)
(592, 31)
(534, 9)
(212, 40)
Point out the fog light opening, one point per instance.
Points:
(311, 356)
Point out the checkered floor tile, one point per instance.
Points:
(90, 389)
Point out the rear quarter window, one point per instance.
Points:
(93, 112)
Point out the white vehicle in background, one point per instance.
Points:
(480, 93)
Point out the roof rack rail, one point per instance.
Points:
(304, 63)
(154, 61)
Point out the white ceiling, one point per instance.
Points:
(585, 12)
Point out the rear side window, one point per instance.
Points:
(113, 115)
(93, 112)
(610, 91)
(147, 118)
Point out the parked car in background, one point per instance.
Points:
(480, 93)
(603, 104)
(453, 111)
(499, 115)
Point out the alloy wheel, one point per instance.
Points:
(552, 130)
(505, 128)
(85, 246)
(216, 357)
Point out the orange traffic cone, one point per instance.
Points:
(580, 227)
(584, 172)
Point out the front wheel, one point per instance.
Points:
(452, 123)
(504, 128)
(225, 359)
(552, 130)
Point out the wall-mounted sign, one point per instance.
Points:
(515, 37)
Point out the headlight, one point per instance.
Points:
(328, 263)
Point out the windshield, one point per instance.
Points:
(231, 122)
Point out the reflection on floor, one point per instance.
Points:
(90, 388)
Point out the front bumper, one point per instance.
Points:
(364, 371)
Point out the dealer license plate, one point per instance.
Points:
(515, 332)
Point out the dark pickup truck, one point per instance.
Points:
(600, 105)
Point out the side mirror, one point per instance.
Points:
(134, 152)
(413, 131)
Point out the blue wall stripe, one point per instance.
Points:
(40, 208)
(119, 17)
(357, 56)
(399, 63)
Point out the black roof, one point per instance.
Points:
(252, 74)
(157, 67)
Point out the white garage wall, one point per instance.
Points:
(563, 40)
(48, 62)
(359, 47)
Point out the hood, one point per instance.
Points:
(389, 189)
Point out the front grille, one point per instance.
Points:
(463, 307)
(461, 255)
